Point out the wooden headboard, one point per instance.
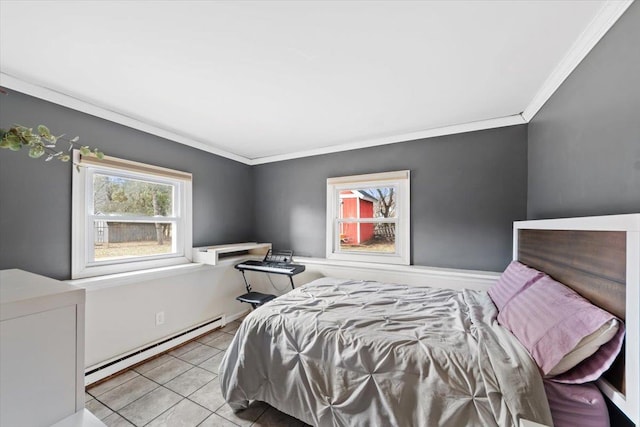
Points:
(598, 257)
(592, 263)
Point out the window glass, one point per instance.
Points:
(116, 195)
(117, 198)
(374, 237)
(115, 240)
(358, 205)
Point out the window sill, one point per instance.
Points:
(120, 279)
(369, 258)
(414, 269)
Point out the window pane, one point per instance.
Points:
(120, 240)
(378, 202)
(368, 237)
(114, 195)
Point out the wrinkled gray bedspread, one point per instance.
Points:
(336, 352)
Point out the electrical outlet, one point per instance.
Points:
(159, 318)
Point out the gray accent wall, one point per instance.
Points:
(35, 197)
(466, 190)
(584, 144)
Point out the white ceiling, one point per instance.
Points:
(267, 80)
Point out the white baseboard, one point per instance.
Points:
(116, 364)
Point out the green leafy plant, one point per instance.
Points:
(41, 142)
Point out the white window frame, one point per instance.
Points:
(401, 181)
(82, 218)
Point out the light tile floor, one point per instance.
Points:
(179, 389)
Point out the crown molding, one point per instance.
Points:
(597, 28)
(56, 97)
(59, 98)
(499, 122)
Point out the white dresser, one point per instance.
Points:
(41, 349)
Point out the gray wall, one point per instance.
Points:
(584, 144)
(35, 197)
(466, 190)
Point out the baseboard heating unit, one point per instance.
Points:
(105, 369)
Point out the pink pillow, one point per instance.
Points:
(516, 278)
(550, 319)
(576, 405)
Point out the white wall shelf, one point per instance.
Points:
(212, 254)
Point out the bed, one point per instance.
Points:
(347, 352)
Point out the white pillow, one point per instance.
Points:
(586, 347)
